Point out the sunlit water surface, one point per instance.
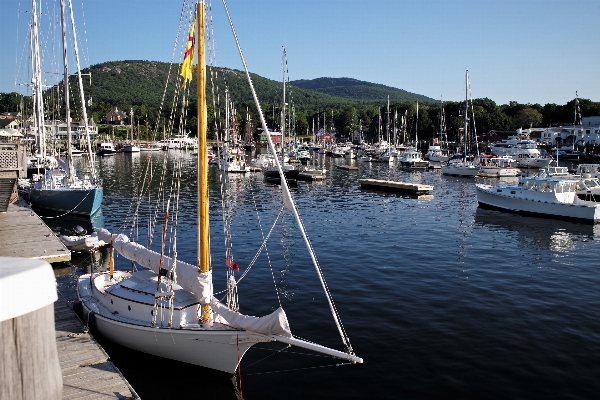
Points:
(441, 299)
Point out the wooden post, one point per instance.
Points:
(30, 368)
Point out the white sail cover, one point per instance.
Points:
(275, 323)
(187, 275)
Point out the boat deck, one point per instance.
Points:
(86, 369)
(24, 234)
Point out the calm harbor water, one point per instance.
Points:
(441, 299)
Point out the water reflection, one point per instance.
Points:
(538, 233)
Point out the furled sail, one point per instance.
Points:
(275, 323)
(188, 275)
(200, 284)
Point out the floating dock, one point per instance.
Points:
(347, 167)
(416, 189)
(24, 234)
(311, 176)
(87, 370)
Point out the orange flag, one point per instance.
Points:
(188, 58)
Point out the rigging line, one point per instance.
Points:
(164, 94)
(262, 246)
(138, 196)
(62, 215)
(287, 196)
(270, 355)
(298, 369)
(159, 195)
(301, 353)
(259, 251)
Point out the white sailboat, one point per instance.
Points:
(438, 152)
(131, 147)
(271, 170)
(231, 159)
(459, 165)
(169, 309)
(412, 158)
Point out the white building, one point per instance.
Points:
(586, 133)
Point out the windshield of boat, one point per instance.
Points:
(564, 187)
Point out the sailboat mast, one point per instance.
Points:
(36, 82)
(131, 135)
(387, 121)
(417, 128)
(466, 115)
(441, 118)
(81, 94)
(203, 232)
(66, 88)
(283, 111)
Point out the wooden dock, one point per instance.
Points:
(311, 176)
(24, 234)
(416, 189)
(87, 370)
(347, 167)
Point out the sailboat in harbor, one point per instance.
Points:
(60, 189)
(271, 168)
(131, 147)
(459, 164)
(168, 308)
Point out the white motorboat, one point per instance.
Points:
(542, 196)
(106, 149)
(588, 189)
(411, 159)
(498, 167)
(167, 308)
(523, 150)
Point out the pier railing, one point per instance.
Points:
(13, 165)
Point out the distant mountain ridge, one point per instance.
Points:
(353, 89)
(136, 82)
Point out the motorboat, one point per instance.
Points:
(524, 150)
(411, 159)
(497, 167)
(542, 196)
(106, 149)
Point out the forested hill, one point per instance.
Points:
(354, 89)
(124, 83)
(136, 83)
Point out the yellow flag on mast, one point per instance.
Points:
(188, 58)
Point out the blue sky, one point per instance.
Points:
(527, 51)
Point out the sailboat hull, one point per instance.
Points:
(218, 347)
(63, 200)
(217, 350)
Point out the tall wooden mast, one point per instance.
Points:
(203, 226)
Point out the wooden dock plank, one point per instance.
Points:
(87, 370)
(24, 234)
